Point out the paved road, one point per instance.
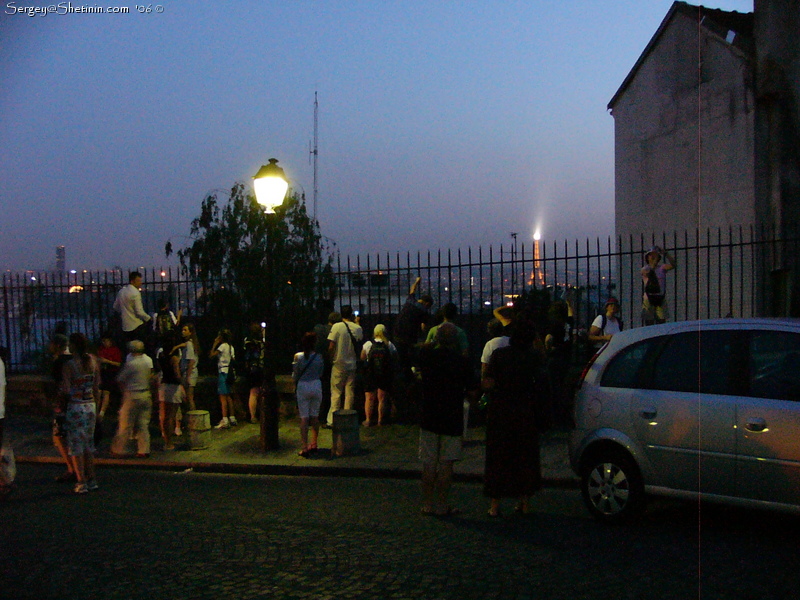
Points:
(162, 535)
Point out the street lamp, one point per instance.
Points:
(270, 186)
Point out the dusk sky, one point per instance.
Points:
(441, 124)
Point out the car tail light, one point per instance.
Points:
(587, 367)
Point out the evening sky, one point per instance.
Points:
(441, 124)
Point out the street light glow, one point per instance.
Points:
(270, 186)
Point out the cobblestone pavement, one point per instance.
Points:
(187, 535)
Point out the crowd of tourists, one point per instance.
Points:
(421, 373)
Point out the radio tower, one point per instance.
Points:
(314, 152)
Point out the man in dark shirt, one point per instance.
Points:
(413, 317)
(446, 379)
(409, 328)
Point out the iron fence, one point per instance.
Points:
(736, 272)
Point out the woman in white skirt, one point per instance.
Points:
(307, 372)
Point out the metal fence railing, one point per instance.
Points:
(736, 272)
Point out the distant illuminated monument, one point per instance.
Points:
(537, 277)
(61, 259)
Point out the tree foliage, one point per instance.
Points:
(251, 263)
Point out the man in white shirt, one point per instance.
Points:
(129, 305)
(134, 415)
(344, 355)
(606, 324)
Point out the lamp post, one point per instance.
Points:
(270, 186)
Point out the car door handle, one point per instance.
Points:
(648, 413)
(756, 425)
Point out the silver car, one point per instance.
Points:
(698, 410)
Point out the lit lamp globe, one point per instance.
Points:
(270, 186)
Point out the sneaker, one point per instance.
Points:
(178, 431)
(81, 488)
(91, 485)
(224, 424)
(232, 420)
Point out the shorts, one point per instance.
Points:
(652, 313)
(254, 379)
(222, 384)
(372, 383)
(436, 448)
(171, 393)
(309, 398)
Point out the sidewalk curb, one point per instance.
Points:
(283, 470)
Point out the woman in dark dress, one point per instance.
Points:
(512, 435)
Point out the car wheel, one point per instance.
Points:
(612, 486)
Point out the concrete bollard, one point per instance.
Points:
(346, 433)
(199, 424)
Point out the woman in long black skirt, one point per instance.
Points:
(513, 468)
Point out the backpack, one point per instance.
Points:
(253, 356)
(652, 289)
(164, 324)
(605, 320)
(379, 360)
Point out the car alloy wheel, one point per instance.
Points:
(612, 487)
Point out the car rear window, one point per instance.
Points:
(775, 365)
(691, 361)
(623, 370)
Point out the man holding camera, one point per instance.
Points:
(343, 348)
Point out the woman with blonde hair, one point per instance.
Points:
(380, 356)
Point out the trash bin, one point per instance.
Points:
(199, 425)
(346, 433)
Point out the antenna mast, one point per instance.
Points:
(314, 152)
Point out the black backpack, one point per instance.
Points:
(379, 360)
(605, 320)
(652, 289)
(164, 324)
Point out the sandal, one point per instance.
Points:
(304, 453)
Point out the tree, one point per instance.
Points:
(252, 264)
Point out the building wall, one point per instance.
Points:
(684, 146)
(684, 137)
(777, 181)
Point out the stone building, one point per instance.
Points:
(706, 152)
